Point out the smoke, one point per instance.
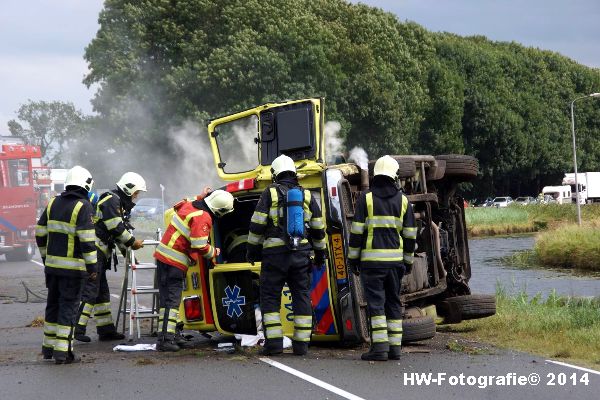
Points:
(360, 157)
(192, 167)
(334, 143)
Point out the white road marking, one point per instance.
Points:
(37, 262)
(591, 371)
(310, 379)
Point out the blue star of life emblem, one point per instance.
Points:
(233, 301)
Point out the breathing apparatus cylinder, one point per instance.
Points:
(295, 216)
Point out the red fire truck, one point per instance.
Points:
(24, 190)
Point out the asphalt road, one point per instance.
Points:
(202, 372)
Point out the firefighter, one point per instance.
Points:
(185, 240)
(112, 209)
(65, 237)
(382, 242)
(283, 258)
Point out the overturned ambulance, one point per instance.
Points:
(224, 296)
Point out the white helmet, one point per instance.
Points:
(79, 176)
(387, 166)
(131, 182)
(220, 202)
(281, 164)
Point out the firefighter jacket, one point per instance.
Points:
(383, 232)
(110, 224)
(186, 236)
(65, 235)
(267, 230)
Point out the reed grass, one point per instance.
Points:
(558, 327)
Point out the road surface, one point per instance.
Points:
(326, 373)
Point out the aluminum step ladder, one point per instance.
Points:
(130, 290)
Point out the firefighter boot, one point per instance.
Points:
(377, 352)
(273, 347)
(166, 340)
(71, 359)
(300, 348)
(166, 343)
(47, 353)
(180, 339)
(394, 353)
(112, 335)
(80, 334)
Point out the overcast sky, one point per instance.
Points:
(42, 41)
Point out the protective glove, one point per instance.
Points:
(407, 268)
(320, 257)
(138, 244)
(354, 266)
(92, 276)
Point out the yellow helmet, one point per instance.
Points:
(387, 166)
(220, 202)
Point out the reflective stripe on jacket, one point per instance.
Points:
(266, 231)
(65, 235)
(383, 231)
(110, 227)
(187, 233)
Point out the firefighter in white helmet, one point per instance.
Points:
(186, 238)
(65, 236)
(112, 231)
(382, 242)
(285, 228)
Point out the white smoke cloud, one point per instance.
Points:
(360, 157)
(193, 165)
(334, 143)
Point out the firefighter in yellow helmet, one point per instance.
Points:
(382, 243)
(186, 238)
(66, 239)
(285, 255)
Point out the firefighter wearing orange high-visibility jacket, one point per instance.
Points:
(286, 255)
(186, 238)
(381, 248)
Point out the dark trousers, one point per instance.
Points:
(96, 299)
(170, 286)
(64, 295)
(382, 291)
(276, 270)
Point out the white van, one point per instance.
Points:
(559, 194)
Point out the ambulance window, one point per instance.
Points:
(237, 143)
(18, 171)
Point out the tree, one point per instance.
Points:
(53, 126)
(394, 87)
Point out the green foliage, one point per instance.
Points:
(395, 87)
(557, 326)
(53, 126)
(571, 246)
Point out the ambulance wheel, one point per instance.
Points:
(459, 166)
(417, 329)
(24, 253)
(475, 306)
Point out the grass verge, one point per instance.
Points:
(557, 327)
(488, 221)
(570, 246)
